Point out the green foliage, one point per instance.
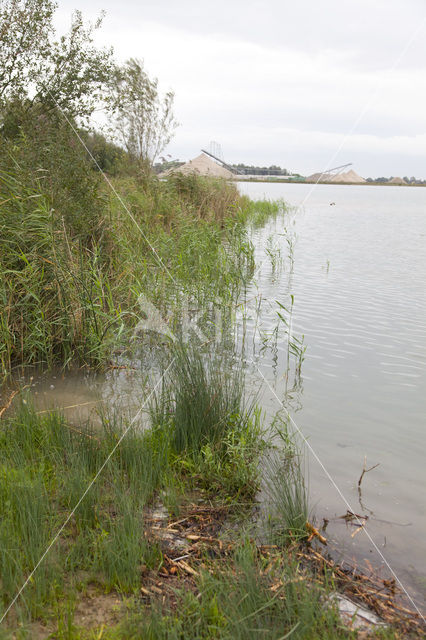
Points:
(44, 157)
(121, 547)
(67, 72)
(45, 467)
(202, 400)
(210, 198)
(104, 155)
(73, 264)
(54, 292)
(143, 120)
(232, 470)
(257, 212)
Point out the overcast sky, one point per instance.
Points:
(304, 85)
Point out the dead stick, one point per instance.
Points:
(365, 470)
(12, 395)
(8, 403)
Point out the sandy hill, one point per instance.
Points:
(203, 166)
(397, 180)
(341, 178)
(352, 176)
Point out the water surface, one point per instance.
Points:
(358, 280)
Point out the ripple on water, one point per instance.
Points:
(360, 301)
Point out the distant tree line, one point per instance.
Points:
(272, 170)
(412, 180)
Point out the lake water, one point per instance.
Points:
(357, 273)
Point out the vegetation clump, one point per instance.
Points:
(72, 268)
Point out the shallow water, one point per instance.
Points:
(358, 281)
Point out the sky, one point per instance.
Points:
(305, 85)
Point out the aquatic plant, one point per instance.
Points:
(202, 398)
(273, 251)
(295, 345)
(285, 485)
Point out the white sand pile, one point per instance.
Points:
(350, 177)
(339, 178)
(397, 180)
(203, 166)
(317, 177)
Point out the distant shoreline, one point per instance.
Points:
(334, 184)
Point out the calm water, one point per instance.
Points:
(358, 281)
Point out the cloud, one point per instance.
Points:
(370, 32)
(249, 73)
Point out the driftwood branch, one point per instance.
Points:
(365, 470)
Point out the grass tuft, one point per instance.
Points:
(202, 400)
(287, 494)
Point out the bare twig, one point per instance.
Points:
(12, 395)
(8, 403)
(365, 470)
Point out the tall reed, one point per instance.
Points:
(285, 486)
(69, 291)
(203, 398)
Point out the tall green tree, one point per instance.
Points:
(144, 120)
(37, 67)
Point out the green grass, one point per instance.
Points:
(46, 465)
(212, 424)
(203, 398)
(69, 290)
(285, 486)
(258, 212)
(236, 602)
